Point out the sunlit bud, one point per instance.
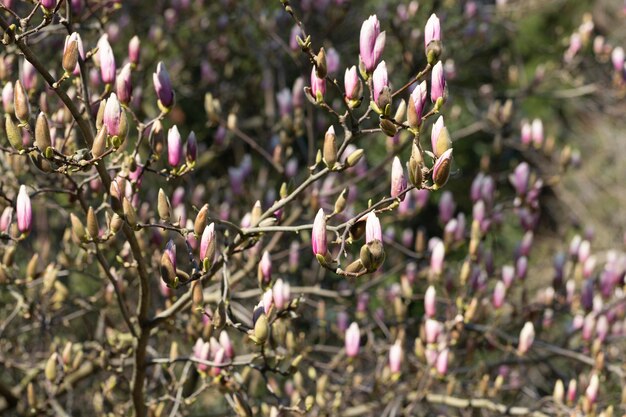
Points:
(297, 92)
(24, 211)
(521, 266)
(333, 61)
(174, 146)
(526, 134)
(112, 115)
(354, 157)
(526, 338)
(129, 212)
(42, 133)
(124, 85)
(7, 98)
(163, 206)
(417, 102)
(415, 167)
(584, 251)
(267, 300)
(591, 393)
(168, 263)
(559, 392)
(441, 170)
(430, 302)
(353, 340)
(440, 137)
(398, 180)
(438, 83)
(373, 230)
(520, 178)
(92, 224)
(318, 86)
(499, 294)
(395, 357)
(261, 329)
(265, 267)
(6, 219)
(207, 243)
(537, 133)
(29, 76)
(352, 84)
(379, 81)
(321, 68)
(163, 86)
(107, 60)
(526, 244)
(442, 361)
(134, 50)
(70, 53)
(78, 230)
(330, 148)
(20, 103)
(432, 30)
(281, 294)
(371, 43)
(432, 330)
(571, 391)
(437, 257)
(617, 59)
(318, 236)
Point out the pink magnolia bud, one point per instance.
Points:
(163, 86)
(371, 43)
(434, 133)
(520, 178)
(432, 30)
(318, 86)
(526, 338)
(499, 294)
(342, 321)
(419, 101)
(526, 134)
(6, 219)
(265, 266)
(170, 250)
(283, 97)
(24, 211)
(438, 83)
(592, 389)
(332, 61)
(589, 325)
(218, 359)
(281, 293)
(372, 228)
(437, 257)
(584, 251)
(318, 236)
(123, 84)
(522, 267)
(537, 132)
(107, 60)
(352, 84)
(395, 357)
(293, 37)
(617, 59)
(526, 244)
(202, 351)
(207, 241)
(7, 97)
(134, 50)
(432, 330)
(442, 361)
(430, 302)
(112, 115)
(379, 80)
(48, 4)
(441, 170)
(353, 340)
(446, 206)
(29, 76)
(571, 391)
(268, 300)
(398, 180)
(602, 328)
(174, 146)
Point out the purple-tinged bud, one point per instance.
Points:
(441, 170)
(174, 146)
(526, 243)
(526, 338)
(591, 393)
(318, 236)
(438, 84)
(430, 302)
(332, 61)
(6, 219)
(440, 137)
(479, 211)
(163, 87)
(380, 80)
(107, 60)
(170, 250)
(353, 340)
(442, 361)
(499, 294)
(520, 178)
(124, 86)
(265, 267)
(281, 294)
(617, 59)
(283, 97)
(588, 266)
(432, 30)
(432, 330)
(112, 115)
(293, 37)
(371, 43)
(352, 84)
(521, 267)
(207, 243)
(342, 321)
(398, 180)
(49, 5)
(437, 257)
(537, 133)
(24, 211)
(446, 207)
(417, 102)
(268, 300)
(134, 50)
(191, 148)
(318, 86)
(395, 357)
(373, 231)
(526, 134)
(571, 391)
(29, 76)
(7, 98)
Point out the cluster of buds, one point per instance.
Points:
(219, 352)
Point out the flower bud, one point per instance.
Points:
(261, 329)
(395, 357)
(354, 158)
(559, 392)
(537, 133)
(168, 263)
(441, 363)
(417, 102)
(571, 391)
(123, 84)
(415, 167)
(134, 50)
(352, 84)
(7, 98)
(499, 294)
(437, 257)
(24, 211)
(129, 212)
(163, 206)
(191, 148)
(318, 86)
(340, 203)
(440, 138)
(92, 224)
(371, 43)
(70, 53)
(432, 330)
(78, 230)
(318, 236)
(379, 81)
(591, 393)
(163, 87)
(320, 63)
(174, 146)
(526, 338)
(42, 133)
(201, 219)
(432, 30)
(265, 268)
(48, 5)
(99, 143)
(281, 294)
(441, 170)
(438, 85)
(330, 148)
(430, 302)
(112, 115)
(398, 180)
(373, 230)
(107, 60)
(353, 340)
(208, 244)
(20, 103)
(51, 367)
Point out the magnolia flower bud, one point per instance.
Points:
(432, 330)
(24, 211)
(438, 85)
(201, 219)
(352, 84)
(168, 263)
(559, 392)
(13, 133)
(208, 244)
(440, 138)
(20, 103)
(7, 98)
(441, 363)
(134, 50)
(265, 268)
(92, 224)
(163, 87)
(42, 133)
(353, 340)
(415, 167)
(398, 180)
(395, 357)
(441, 170)
(48, 5)
(70, 53)
(281, 294)
(320, 63)
(371, 43)
(163, 206)
(50, 370)
(318, 236)
(129, 212)
(99, 143)
(526, 338)
(191, 148)
(379, 82)
(261, 329)
(432, 39)
(499, 294)
(78, 230)
(112, 115)
(174, 146)
(373, 230)
(591, 393)
(318, 86)
(107, 60)
(354, 158)
(417, 102)
(123, 84)
(330, 148)
(437, 257)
